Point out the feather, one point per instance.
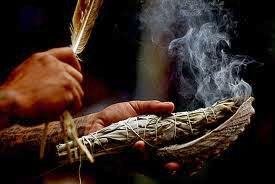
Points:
(83, 21)
(213, 143)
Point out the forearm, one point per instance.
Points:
(21, 140)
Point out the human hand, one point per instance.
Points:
(122, 111)
(45, 84)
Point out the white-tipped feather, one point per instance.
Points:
(83, 21)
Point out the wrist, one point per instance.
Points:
(85, 124)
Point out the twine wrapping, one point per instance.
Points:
(155, 131)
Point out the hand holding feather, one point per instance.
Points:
(38, 94)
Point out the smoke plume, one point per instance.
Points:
(196, 34)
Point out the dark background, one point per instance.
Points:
(110, 63)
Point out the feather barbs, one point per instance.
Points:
(83, 21)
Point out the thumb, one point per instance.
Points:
(153, 106)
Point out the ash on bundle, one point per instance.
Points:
(196, 34)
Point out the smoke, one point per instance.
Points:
(196, 34)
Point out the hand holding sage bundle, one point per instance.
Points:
(158, 131)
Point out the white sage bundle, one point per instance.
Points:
(156, 131)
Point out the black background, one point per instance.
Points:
(41, 25)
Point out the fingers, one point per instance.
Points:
(65, 55)
(73, 68)
(76, 91)
(77, 99)
(139, 145)
(172, 166)
(154, 106)
(74, 73)
(143, 153)
(71, 64)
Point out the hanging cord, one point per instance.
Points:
(79, 169)
(43, 141)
